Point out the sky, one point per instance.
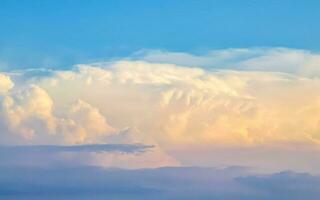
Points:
(57, 33)
(131, 99)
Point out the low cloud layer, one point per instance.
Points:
(232, 183)
(115, 155)
(238, 98)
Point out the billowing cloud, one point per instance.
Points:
(253, 98)
(5, 83)
(87, 123)
(176, 105)
(29, 112)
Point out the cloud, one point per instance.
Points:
(89, 122)
(126, 156)
(29, 112)
(254, 98)
(232, 183)
(284, 185)
(295, 61)
(190, 106)
(26, 110)
(5, 83)
(263, 158)
(96, 148)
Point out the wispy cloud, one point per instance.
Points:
(293, 61)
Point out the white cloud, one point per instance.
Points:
(30, 113)
(5, 83)
(177, 105)
(27, 111)
(271, 98)
(286, 60)
(89, 123)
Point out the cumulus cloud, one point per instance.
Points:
(5, 83)
(253, 98)
(29, 112)
(190, 106)
(87, 123)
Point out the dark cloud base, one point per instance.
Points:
(122, 148)
(162, 183)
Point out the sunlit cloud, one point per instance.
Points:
(238, 98)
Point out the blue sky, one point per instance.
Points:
(57, 34)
